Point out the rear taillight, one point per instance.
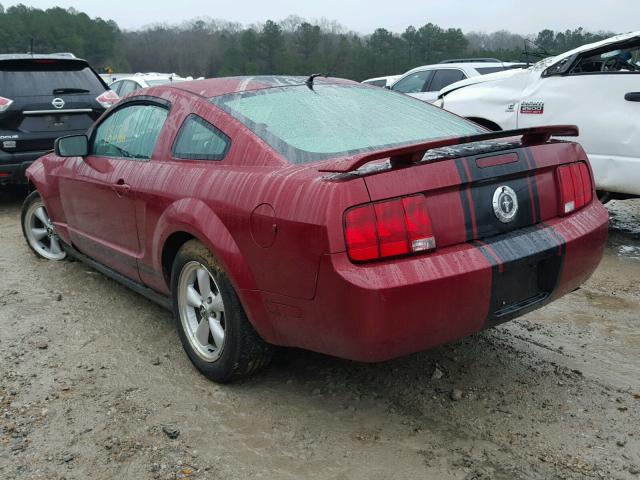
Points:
(108, 99)
(5, 103)
(388, 229)
(574, 185)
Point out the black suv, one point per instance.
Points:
(43, 97)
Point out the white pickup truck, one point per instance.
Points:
(596, 87)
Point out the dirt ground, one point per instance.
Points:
(94, 384)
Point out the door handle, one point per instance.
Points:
(121, 188)
(632, 97)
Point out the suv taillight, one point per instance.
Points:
(5, 103)
(108, 98)
(388, 229)
(575, 188)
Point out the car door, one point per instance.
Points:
(600, 93)
(98, 191)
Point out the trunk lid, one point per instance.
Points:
(476, 190)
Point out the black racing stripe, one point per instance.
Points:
(534, 184)
(485, 252)
(529, 271)
(562, 244)
(562, 250)
(464, 200)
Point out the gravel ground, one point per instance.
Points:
(94, 384)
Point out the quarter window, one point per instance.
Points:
(129, 132)
(445, 77)
(199, 140)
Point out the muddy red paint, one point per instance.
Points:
(277, 228)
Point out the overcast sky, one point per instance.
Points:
(519, 16)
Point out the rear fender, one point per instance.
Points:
(196, 218)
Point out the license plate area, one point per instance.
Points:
(522, 285)
(55, 123)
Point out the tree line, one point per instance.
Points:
(209, 48)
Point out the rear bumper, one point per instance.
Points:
(13, 165)
(384, 310)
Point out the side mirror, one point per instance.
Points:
(72, 146)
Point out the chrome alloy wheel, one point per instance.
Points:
(201, 311)
(41, 233)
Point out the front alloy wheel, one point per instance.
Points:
(38, 229)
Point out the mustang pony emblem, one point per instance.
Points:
(505, 203)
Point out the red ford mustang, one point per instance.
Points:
(318, 213)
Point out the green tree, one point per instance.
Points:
(271, 42)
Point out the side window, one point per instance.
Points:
(614, 60)
(377, 83)
(129, 132)
(116, 86)
(199, 140)
(413, 83)
(126, 88)
(445, 77)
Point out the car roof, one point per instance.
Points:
(40, 56)
(146, 77)
(461, 65)
(213, 87)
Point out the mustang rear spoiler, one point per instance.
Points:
(413, 153)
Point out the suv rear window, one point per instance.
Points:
(42, 77)
(335, 120)
(486, 70)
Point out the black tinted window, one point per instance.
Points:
(199, 140)
(413, 83)
(485, 70)
(30, 79)
(445, 77)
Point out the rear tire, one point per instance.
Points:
(38, 230)
(213, 326)
(603, 196)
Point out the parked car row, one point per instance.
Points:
(123, 86)
(594, 87)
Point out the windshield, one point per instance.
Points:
(337, 120)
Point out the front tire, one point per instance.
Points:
(213, 327)
(38, 230)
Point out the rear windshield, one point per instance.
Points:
(336, 120)
(486, 70)
(29, 79)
